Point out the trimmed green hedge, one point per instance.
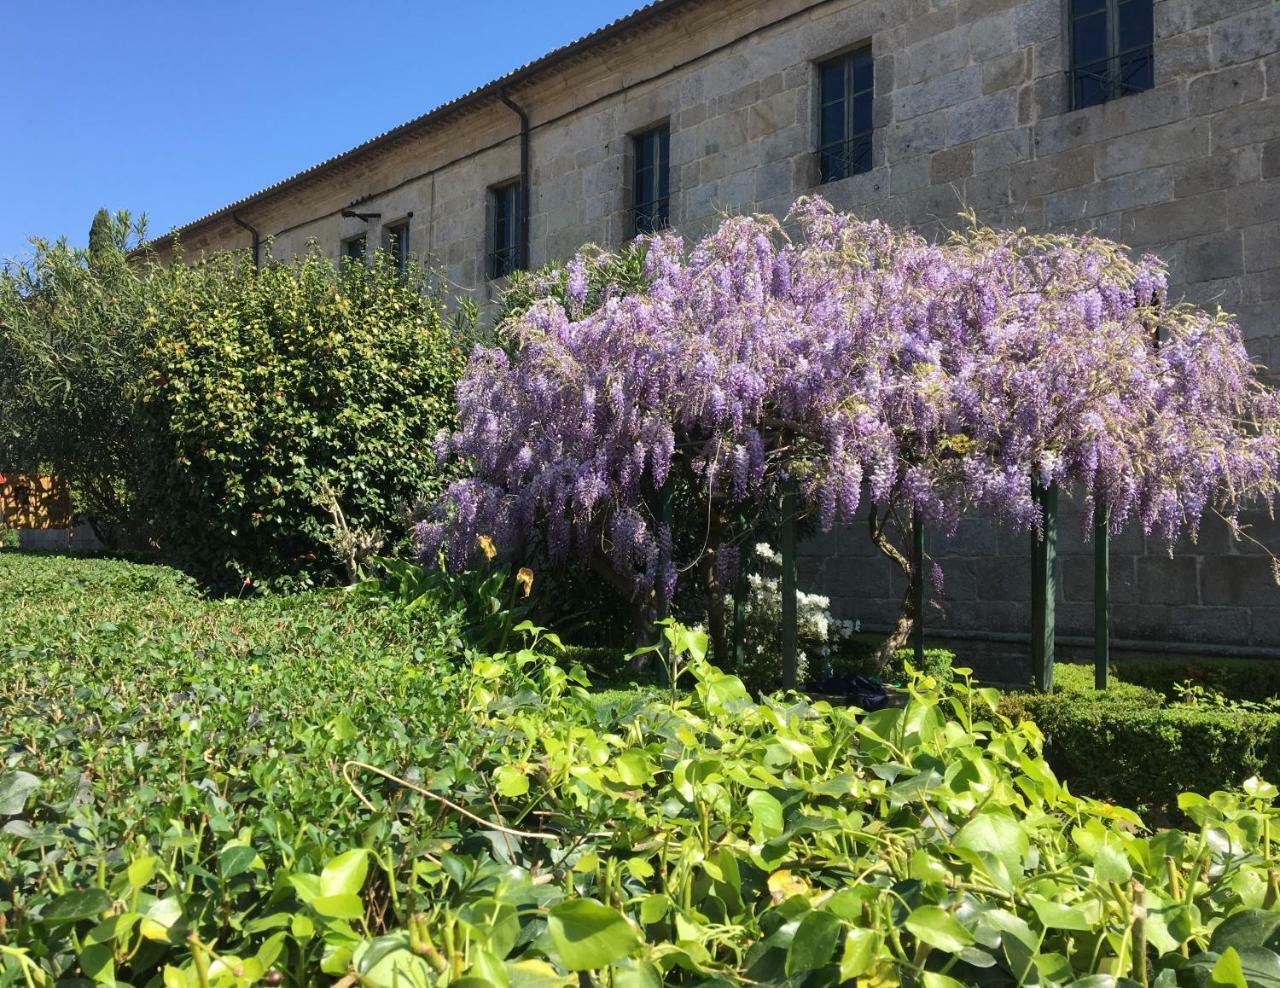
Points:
(1240, 679)
(1129, 745)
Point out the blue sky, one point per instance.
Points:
(176, 107)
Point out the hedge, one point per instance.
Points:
(1129, 745)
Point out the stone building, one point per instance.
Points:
(1156, 122)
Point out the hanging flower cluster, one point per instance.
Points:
(851, 357)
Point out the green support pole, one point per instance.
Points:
(1101, 597)
(662, 608)
(790, 670)
(1044, 554)
(739, 610)
(917, 589)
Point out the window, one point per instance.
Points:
(395, 241)
(356, 248)
(846, 87)
(1110, 50)
(651, 188)
(504, 230)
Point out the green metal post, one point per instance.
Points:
(662, 608)
(1101, 596)
(739, 610)
(790, 670)
(917, 589)
(1044, 554)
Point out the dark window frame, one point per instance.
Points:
(396, 243)
(651, 179)
(351, 255)
(504, 253)
(1122, 71)
(849, 153)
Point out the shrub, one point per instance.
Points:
(72, 335)
(341, 809)
(276, 396)
(1130, 745)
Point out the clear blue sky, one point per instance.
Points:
(175, 108)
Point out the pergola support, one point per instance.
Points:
(917, 589)
(790, 669)
(1044, 553)
(1101, 596)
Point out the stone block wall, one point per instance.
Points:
(970, 111)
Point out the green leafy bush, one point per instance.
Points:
(304, 790)
(72, 336)
(1241, 679)
(274, 396)
(1131, 745)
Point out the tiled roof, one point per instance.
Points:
(635, 19)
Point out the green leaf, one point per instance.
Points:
(766, 816)
(236, 860)
(633, 768)
(932, 979)
(998, 834)
(938, 928)
(15, 787)
(588, 935)
(510, 781)
(1229, 972)
(1249, 928)
(861, 947)
(633, 973)
(345, 874)
(1055, 916)
(535, 973)
(813, 943)
(73, 906)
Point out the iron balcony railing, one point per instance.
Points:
(503, 261)
(844, 158)
(650, 217)
(1109, 78)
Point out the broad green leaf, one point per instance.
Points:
(534, 973)
(15, 788)
(588, 935)
(633, 973)
(73, 906)
(1229, 972)
(938, 928)
(236, 860)
(142, 870)
(1250, 928)
(345, 874)
(510, 781)
(1055, 916)
(813, 943)
(633, 768)
(161, 918)
(344, 906)
(766, 816)
(861, 947)
(996, 833)
(932, 979)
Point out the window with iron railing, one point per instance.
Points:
(395, 241)
(651, 180)
(504, 230)
(846, 87)
(356, 249)
(1111, 51)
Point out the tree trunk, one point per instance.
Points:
(906, 611)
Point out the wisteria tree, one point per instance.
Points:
(845, 360)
